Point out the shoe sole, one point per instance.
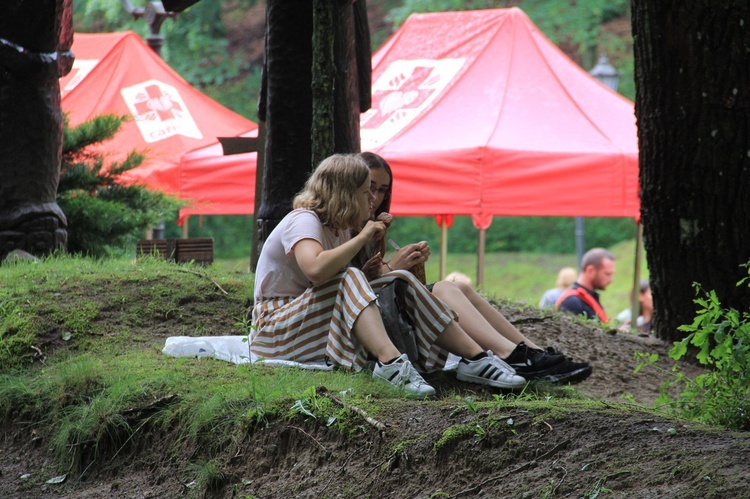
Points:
(548, 374)
(569, 377)
(489, 382)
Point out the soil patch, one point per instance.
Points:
(440, 448)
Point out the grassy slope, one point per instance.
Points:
(85, 390)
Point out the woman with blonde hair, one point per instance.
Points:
(310, 306)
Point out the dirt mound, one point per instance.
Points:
(603, 438)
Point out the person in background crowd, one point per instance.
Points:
(597, 272)
(565, 278)
(645, 311)
(482, 322)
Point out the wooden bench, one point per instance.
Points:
(197, 249)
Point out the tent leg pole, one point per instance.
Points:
(443, 248)
(185, 227)
(579, 240)
(480, 259)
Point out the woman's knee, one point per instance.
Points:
(354, 272)
(464, 288)
(445, 288)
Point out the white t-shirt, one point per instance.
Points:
(277, 273)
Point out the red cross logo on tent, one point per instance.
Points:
(159, 111)
(157, 102)
(401, 93)
(406, 92)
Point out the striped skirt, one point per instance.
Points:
(317, 325)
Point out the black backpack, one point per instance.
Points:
(398, 324)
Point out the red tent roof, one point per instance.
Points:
(173, 124)
(478, 113)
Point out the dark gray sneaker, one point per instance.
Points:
(549, 365)
(568, 372)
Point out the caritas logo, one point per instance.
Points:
(159, 111)
(403, 91)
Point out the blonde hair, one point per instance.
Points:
(331, 191)
(457, 276)
(566, 277)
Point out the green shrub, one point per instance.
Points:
(721, 396)
(105, 216)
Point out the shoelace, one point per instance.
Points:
(407, 374)
(504, 369)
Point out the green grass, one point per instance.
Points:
(81, 361)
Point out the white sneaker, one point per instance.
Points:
(490, 370)
(401, 374)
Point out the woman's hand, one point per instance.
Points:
(410, 255)
(373, 230)
(424, 249)
(372, 267)
(319, 265)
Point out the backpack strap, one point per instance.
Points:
(589, 300)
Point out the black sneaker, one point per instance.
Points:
(553, 351)
(532, 363)
(567, 371)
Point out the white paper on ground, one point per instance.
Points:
(234, 349)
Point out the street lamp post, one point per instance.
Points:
(607, 75)
(154, 14)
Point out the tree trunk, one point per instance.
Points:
(287, 108)
(35, 41)
(293, 87)
(693, 109)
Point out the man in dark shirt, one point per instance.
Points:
(597, 272)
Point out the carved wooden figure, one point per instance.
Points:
(35, 41)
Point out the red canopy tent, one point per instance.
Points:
(173, 124)
(479, 114)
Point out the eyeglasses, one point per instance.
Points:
(382, 190)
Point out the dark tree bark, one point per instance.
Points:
(693, 111)
(35, 41)
(323, 74)
(286, 103)
(286, 107)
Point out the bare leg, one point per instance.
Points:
(370, 332)
(479, 319)
(458, 342)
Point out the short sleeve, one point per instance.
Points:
(304, 224)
